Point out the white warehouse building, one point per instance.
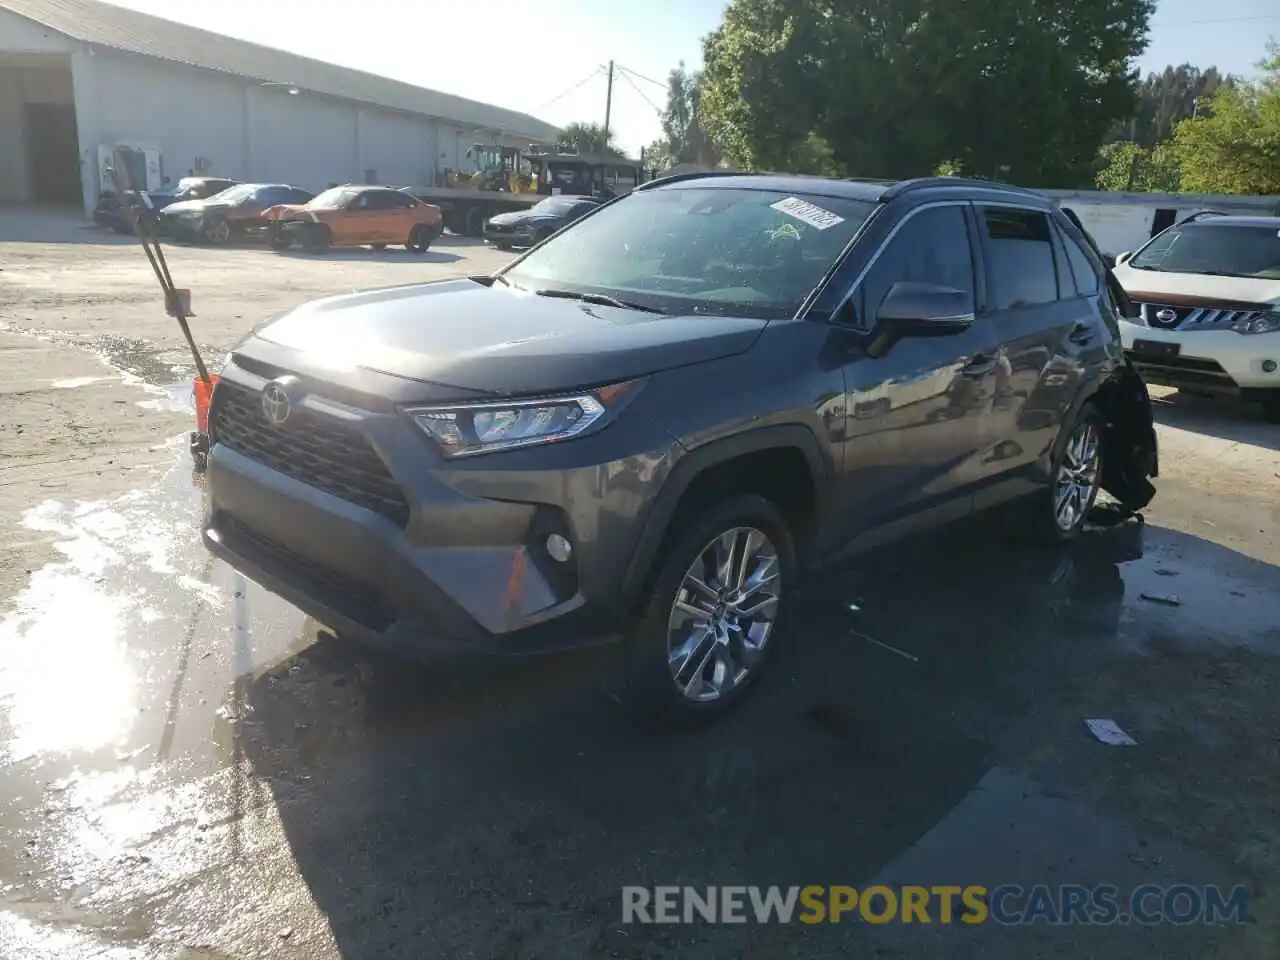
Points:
(79, 78)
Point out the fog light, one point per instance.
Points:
(559, 548)
(1268, 366)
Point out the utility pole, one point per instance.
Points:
(608, 105)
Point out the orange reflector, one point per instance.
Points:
(202, 390)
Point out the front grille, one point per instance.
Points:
(311, 448)
(352, 599)
(1192, 318)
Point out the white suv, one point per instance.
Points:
(1207, 296)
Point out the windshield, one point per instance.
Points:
(1217, 249)
(330, 199)
(554, 206)
(741, 252)
(236, 194)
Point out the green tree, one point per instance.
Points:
(1232, 145)
(1025, 90)
(587, 138)
(1167, 98)
(685, 138)
(1131, 166)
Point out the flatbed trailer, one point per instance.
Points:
(465, 211)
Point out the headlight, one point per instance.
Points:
(1258, 323)
(462, 430)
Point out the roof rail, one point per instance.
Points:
(1200, 214)
(920, 183)
(693, 175)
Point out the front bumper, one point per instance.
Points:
(463, 568)
(508, 237)
(1211, 361)
(180, 228)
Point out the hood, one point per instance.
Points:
(499, 341)
(517, 217)
(1245, 291)
(193, 206)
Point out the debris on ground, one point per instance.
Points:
(1168, 599)
(1110, 733)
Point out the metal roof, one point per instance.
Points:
(106, 25)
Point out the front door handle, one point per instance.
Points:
(980, 365)
(1081, 333)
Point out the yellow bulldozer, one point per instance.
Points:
(500, 169)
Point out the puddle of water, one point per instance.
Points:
(73, 383)
(130, 639)
(176, 398)
(67, 682)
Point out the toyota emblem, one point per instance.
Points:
(275, 403)
(1166, 315)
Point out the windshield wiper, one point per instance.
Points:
(603, 299)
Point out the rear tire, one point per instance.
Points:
(728, 631)
(1060, 512)
(475, 222)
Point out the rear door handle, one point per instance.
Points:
(1081, 333)
(980, 365)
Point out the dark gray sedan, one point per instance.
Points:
(524, 228)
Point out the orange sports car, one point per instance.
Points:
(354, 216)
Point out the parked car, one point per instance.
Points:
(352, 216)
(119, 216)
(644, 428)
(233, 214)
(1207, 298)
(524, 228)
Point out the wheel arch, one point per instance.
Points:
(732, 459)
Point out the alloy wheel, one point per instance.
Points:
(219, 232)
(1077, 481)
(723, 614)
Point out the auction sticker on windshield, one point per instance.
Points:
(806, 212)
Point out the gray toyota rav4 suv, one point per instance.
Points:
(651, 425)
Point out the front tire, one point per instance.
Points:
(712, 622)
(419, 239)
(1271, 407)
(1062, 510)
(218, 232)
(318, 239)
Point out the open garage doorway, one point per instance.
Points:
(53, 153)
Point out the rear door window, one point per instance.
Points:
(1020, 258)
(1083, 273)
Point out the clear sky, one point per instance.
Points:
(532, 56)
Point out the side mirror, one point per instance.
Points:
(913, 309)
(1122, 258)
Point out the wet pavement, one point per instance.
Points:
(188, 763)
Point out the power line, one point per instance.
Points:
(560, 96)
(626, 75)
(641, 76)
